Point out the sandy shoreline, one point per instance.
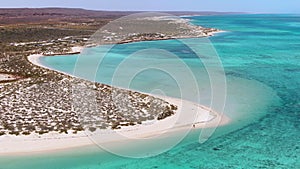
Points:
(53, 142)
(188, 116)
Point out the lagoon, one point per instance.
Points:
(260, 56)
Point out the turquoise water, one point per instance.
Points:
(261, 58)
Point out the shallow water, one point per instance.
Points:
(261, 58)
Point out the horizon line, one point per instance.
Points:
(104, 10)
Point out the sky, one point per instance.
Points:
(252, 6)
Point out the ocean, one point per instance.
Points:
(260, 55)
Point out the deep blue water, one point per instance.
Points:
(261, 59)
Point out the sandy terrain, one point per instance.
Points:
(188, 116)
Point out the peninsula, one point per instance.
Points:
(36, 102)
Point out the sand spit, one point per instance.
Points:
(187, 115)
(38, 114)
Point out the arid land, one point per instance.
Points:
(38, 100)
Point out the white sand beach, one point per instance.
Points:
(34, 143)
(194, 114)
(189, 116)
(77, 49)
(34, 59)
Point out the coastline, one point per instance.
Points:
(195, 117)
(53, 142)
(203, 117)
(263, 127)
